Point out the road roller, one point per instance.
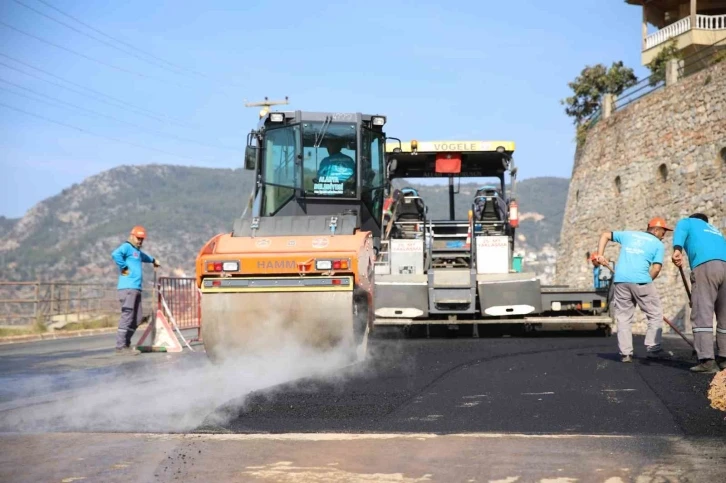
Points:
(297, 269)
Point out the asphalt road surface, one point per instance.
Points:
(556, 408)
(565, 385)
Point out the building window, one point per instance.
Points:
(663, 172)
(618, 184)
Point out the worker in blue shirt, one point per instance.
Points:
(336, 172)
(129, 259)
(639, 263)
(706, 249)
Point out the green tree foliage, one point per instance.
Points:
(657, 66)
(590, 86)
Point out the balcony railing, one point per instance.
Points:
(673, 30)
(711, 22)
(703, 22)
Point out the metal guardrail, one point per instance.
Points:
(703, 59)
(641, 89)
(25, 303)
(689, 65)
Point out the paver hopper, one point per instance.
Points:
(299, 263)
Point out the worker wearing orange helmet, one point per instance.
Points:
(130, 259)
(639, 264)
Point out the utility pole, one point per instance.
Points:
(266, 104)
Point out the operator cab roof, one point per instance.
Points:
(433, 159)
(275, 118)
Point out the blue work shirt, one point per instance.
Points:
(639, 250)
(339, 166)
(701, 241)
(128, 256)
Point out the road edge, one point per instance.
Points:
(15, 339)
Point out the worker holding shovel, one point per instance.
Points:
(639, 263)
(706, 249)
(129, 260)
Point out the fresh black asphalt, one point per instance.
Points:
(555, 383)
(549, 383)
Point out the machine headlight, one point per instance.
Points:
(323, 264)
(277, 117)
(378, 120)
(230, 266)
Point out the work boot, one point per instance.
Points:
(707, 366)
(626, 358)
(721, 361)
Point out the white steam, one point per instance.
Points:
(153, 396)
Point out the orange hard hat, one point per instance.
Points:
(659, 223)
(138, 231)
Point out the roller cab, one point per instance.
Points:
(297, 269)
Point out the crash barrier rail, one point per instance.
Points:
(59, 303)
(687, 66)
(181, 297)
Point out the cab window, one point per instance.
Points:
(372, 172)
(330, 165)
(280, 175)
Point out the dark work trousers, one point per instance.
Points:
(130, 316)
(626, 297)
(708, 293)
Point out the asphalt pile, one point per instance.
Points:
(717, 391)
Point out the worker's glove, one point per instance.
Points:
(594, 258)
(156, 263)
(125, 272)
(677, 258)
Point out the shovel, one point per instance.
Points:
(685, 284)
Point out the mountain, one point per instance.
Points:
(541, 206)
(7, 224)
(71, 235)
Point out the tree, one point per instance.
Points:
(592, 83)
(657, 66)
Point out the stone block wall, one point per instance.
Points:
(663, 155)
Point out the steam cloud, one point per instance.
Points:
(176, 395)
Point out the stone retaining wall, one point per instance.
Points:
(663, 155)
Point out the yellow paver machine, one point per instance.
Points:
(463, 271)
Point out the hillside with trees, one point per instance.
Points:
(71, 235)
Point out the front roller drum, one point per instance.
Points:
(238, 325)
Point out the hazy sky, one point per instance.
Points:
(439, 70)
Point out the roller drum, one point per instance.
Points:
(244, 324)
